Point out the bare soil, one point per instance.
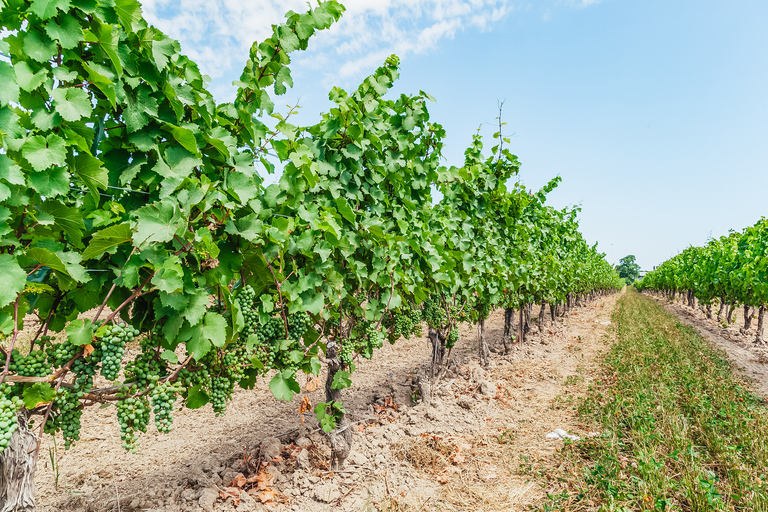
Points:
(476, 447)
(747, 358)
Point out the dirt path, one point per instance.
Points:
(746, 358)
(476, 447)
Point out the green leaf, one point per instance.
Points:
(196, 397)
(162, 50)
(46, 9)
(345, 210)
(284, 386)
(185, 137)
(107, 239)
(107, 38)
(197, 344)
(91, 171)
(38, 46)
(215, 329)
(12, 279)
(68, 219)
(72, 103)
(52, 183)
(140, 107)
(37, 393)
(341, 380)
(79, 332)
(27, 78)
(158, 223)
(129, 12)
(170, 356)
(9, 89)
(197, 306)
(50, 259)
(169, 277)
(69, 33)
(10, 172)
(44, 152)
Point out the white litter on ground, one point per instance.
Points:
(562, 434)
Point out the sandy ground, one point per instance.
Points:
(476, 447)
(746, 357)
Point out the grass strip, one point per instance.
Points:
(678, 430)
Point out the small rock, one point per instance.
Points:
(272, 448)
(465, 402)
(303, 442)
(357, 459)
(302, 460)
(327, 493)
(433, 414)
(486, 388)
(207, 498)
(272, 470)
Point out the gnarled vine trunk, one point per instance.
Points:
(553, 313)
(729, 314)
(749, 313)
(527, 308)
(720, 310)
(542, 314)
(509, 324)
(339, 438)
(709, 311)
(485, 353)
(760, 315)
(17, 469)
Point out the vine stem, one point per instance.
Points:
(61, 373)
(130, 299)
(280, 297)
(13, 341)
(114, 285)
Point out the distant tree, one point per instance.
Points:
(628, 269)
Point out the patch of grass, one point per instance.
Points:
(679, 430)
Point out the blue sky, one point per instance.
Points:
(654, 113)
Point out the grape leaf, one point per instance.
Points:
(197, 397)
(37, 393)
(46, 9)
(158, 223)
(9, 89)
(51, 183)
(284, 386)
(79, 332)
(12, 279)
(69, 33)
(341, 380)
(72, 103)
(107, 239)
(44, 152)
(215, 329)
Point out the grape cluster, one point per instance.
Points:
(245, 301)
(133, 416)
(163, 397)
(32, 365)
(405, 323)
(348, 350)
(221, 390)
(9, 407)
(145, 366)
(113, 347)
(60, 354)
(298, 324)
(433, 314)
(67, 416)
(453, 337)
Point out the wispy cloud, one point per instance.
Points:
(217, 34)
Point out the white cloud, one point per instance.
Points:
(218, 34)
